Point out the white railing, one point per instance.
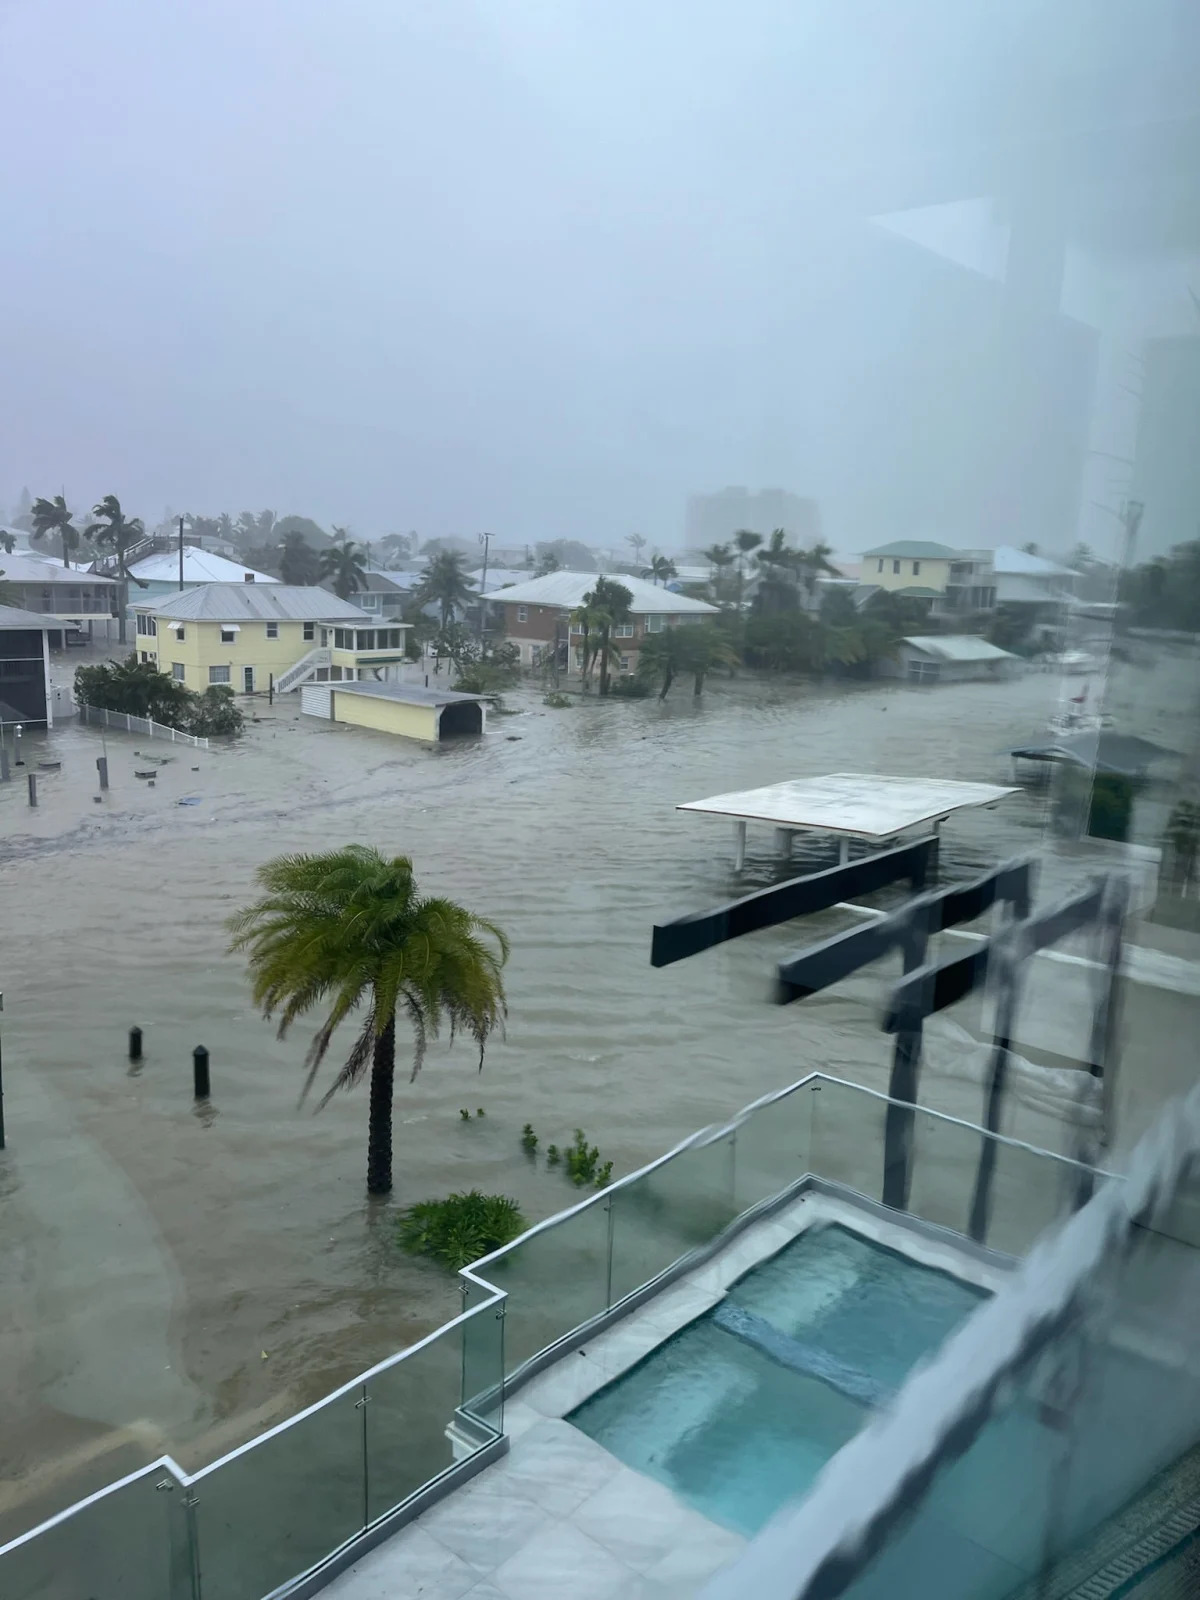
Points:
(304, 668)
(100, 718)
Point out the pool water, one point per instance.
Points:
(740, 1410)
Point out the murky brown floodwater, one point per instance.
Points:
(176, 1281)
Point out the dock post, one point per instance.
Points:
(783, 842)
(843, 850)
(5, 770)
(135, 1044)
(200, 1072)
(739, 846)
(270, 688)
(31, 778)
(102, 769)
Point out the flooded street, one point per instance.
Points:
(175, 1279)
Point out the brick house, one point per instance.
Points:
(536, 616)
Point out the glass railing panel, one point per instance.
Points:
(772, 1148)
(847, 1137)
(673, 1209)
(483, 1366)
(555, 1280)
(278, 1507)
(416, 1428)
(130, 1543)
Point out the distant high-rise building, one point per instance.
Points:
(1166, 471)
(715, 518)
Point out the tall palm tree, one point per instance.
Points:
(8, 541)
(582, 620)
(744, 542)
(608, 604)
(444, 583)
(344, 564)
(52, 516)
(349, 929)
(814, 561)
(661, 569)
(298, 561)
(778, 563)
(637, 543)
(719, 556)
(116, 531)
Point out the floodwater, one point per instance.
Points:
(176, 1279)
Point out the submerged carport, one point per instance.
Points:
(407, 710)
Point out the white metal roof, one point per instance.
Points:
(252, 602)
(566, 590)
(499, 577)
(15, 617)
(864, 804)
(957, 647)
(199, 566)
(44, 569)
(1008, 560)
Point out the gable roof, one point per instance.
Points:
(199, 566)
(565, 591)
(915, 549)
(250, 602)
(957, 647)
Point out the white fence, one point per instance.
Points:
(155, 730)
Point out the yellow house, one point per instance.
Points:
(257, 636)
(909, 564)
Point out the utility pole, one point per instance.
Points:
(181, 552)
(484, 539)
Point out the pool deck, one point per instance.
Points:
(561, 1516)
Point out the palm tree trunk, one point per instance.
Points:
(379, 1129)
(668, 680)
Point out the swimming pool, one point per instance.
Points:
(741, 1409)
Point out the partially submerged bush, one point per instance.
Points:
(460, 1228)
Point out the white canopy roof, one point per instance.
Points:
(865, 805)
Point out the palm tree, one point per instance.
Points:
(226, 527)
(8, 541)
(344, 564)
(637, 543)
(52, 516)
(608, 605)
(778, 564)
(696, 649)
(745, 541)
(444, 583)
(348, 929)
(582, 620)
(661, 569)
(117, 532)
(811, 563)
(718, 556)
(298, 563)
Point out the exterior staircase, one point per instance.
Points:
(303, 669)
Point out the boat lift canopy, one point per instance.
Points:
(848, 805)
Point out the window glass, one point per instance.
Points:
(177, 671)
(218, 674)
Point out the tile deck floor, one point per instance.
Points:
(559, 1517)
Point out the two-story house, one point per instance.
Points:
(252, 636)
(909, 564)
(73, 598)
(539, 616)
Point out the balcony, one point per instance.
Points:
(548, 1327)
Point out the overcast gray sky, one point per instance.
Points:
(540, 266)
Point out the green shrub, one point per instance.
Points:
(553, 1155)
(529, 1139)
(582, 1159)
(461, 1228)
(559, 702)
(629, 689)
